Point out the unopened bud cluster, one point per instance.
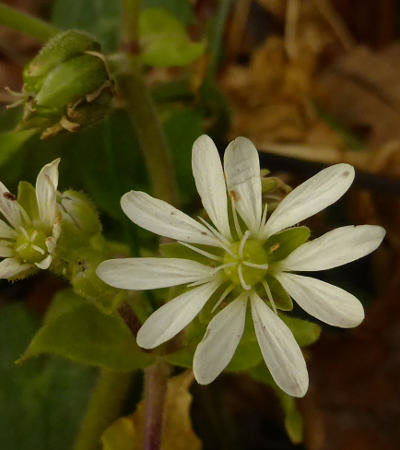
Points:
(66, 86)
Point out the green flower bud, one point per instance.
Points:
(88, 285)
(66, 86)
(60, 48)
(79, 212)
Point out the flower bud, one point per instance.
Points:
(87, 284)
(79, 212)
(67, 85)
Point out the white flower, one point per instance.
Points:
(245, 262)
(29, 233)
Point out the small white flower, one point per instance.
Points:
(244, 263)
(28, 237)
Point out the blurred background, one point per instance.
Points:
(311, 83)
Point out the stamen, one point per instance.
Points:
(236, 220)
(269, 295)
(34, 234)
(222, 240)
(21, 247)
(223, 266)
(256, 266)
(242, 282)
(200, 251)
(38, 249)
(226, 292)
(25, 233)
(264, 215)
(242, 242)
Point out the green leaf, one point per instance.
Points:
(85, 335)
(281, 244)
(11, 142)
(41, 402)
(305, 332)
(247, 355)
(164, 40)
(293, 419)
(99, 17)
(181, 9)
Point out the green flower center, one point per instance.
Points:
(30, 245)
(247, 264)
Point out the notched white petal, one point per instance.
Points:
(46, 191)
(174, 316)
(281, 353)
(210, 182)
(10, 268)
(220, 341)
(163, 219)
(9, 207)
(326, 302)
(151, 273)
(312, 196)
(44, 263)
(243, 179)
(335, 248)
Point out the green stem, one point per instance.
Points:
(104, 407)
(26, 24)
(149, 131)
(129, 27)
(216, 36)
(155, 391)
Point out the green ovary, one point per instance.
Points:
(30, 246)
(253, 253)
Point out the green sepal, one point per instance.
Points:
(305, 332)
(164, 40)
(88, 285)
(71, 80)
(175, 250)
(60, 48)
(281, 298)
(79, 210)
(75, 329)
(281, 244)
(27, 199)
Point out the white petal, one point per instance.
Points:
(163, 219)
(44, 263)
(46, 190)
(220, 341)
(326, 302)
(335, 248)
(9, 207)
(174, 316)
(10, 267)
(6, 249)
(210, 182)
(151, 273)
(6, 231)
(281, 353)
(243, 179)
(312, 196)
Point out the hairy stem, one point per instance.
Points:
(104, 407)
(155, 390)
(149, 132)
(26, 24)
